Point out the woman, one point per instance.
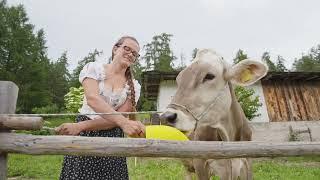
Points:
(108, 88)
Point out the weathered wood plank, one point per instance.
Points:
(287, 100)
(281, 102)
(295, 100)
(21, 123)
(269, 97)
(301, 111)
(275, 103)
(8, 99)
(3, 165)
(316, 88)
(102, 146)
(315, 98)
(310, 104)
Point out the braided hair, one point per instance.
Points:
(128, 75)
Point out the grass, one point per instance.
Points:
(48, 167)
(149, 168)
(34, 167)
(274, 170)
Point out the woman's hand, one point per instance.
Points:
(72, 129)
(133, 128)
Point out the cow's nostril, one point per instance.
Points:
(172, 118)
(169, 117)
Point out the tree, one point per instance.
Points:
(280, 67)
(158, 54)
(59, 80)
(249, 103)
(306, 64)
(182, 64)
(194, 53)
(138, 70)
(315, 53)
(309, 62)
(23, 58)
(91, 57)
(267, 60)
(240, 56)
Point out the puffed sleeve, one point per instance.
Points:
(90, 70)
(137, 89)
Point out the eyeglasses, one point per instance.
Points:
(129, 50)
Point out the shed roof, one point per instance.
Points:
(151, 79)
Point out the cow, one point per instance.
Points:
(205, 108)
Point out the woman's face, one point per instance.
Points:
(127, 53)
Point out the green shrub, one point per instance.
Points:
(249, 103)
(74, 99)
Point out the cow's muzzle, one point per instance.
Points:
(169, 117)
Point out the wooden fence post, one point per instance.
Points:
(8, 100)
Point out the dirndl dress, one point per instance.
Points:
(95, 167)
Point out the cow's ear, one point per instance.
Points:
(246, 72)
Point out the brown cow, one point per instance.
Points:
(206, 109)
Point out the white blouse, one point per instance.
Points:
(116, 98)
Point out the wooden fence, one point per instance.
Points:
(269, 140)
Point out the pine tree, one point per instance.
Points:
(158, 54)
(267, 60)
(59, 80)
(240, 56)
(194, 53)
(280, 64)
(309, 62)
(91, 57)
(24, 58)
(306, 64)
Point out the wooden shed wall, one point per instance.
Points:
(292, 100)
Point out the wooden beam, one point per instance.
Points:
(20, 123)
(312, 78)
(103, 146)
(8, 99)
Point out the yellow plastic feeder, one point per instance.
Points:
(163, 132)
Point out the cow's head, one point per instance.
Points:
(203, 97)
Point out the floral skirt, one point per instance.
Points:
(95, 167)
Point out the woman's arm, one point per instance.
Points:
(94, 100)
(91, 125)
(91, 91)
(99, 123)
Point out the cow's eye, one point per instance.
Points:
(208, 77)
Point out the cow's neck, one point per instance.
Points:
(231, 122)
(236, 116)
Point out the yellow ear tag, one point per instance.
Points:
(246, 75)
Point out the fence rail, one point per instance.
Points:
(102, 146)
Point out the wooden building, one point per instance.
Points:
(285, 96)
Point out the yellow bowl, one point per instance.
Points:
(164, 133)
